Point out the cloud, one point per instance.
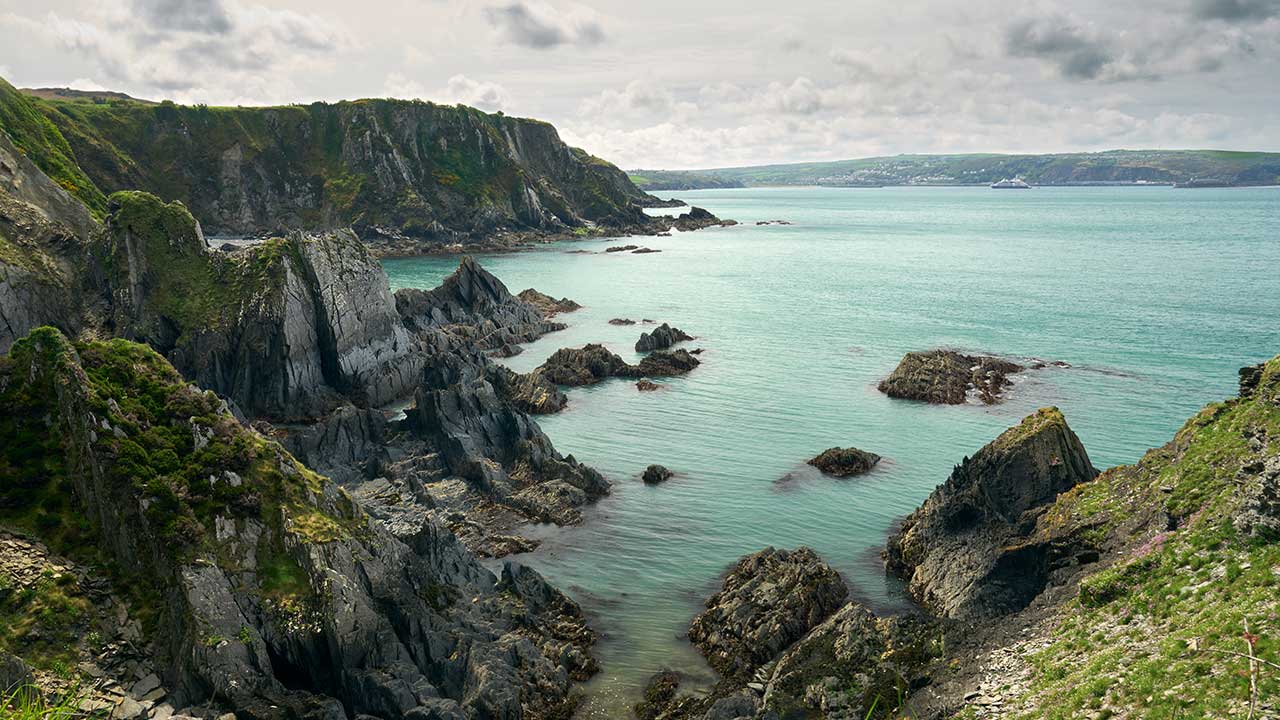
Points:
(541, 26)
(193, 50)
(484, 95)
(202, 16)
(1235, 10)
(460, 90)
(639, 98)
(1076, 51)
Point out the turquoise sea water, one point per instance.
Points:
(1155, 296)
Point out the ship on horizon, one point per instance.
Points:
(1011, 184)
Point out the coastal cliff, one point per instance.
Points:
(261, 586)
(404, 175)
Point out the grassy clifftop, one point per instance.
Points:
(386, 167)
(1190, 586)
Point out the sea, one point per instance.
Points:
(1152, 297)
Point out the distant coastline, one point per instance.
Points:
(1114, 168)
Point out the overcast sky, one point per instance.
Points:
(704, 83)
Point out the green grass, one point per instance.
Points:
(30, 703)
(1152, 634)
(41, 141)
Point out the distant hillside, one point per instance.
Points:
(90, 96)
(1104, 168)
(391, 169)
(649, 180)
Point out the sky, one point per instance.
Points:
(706, 83)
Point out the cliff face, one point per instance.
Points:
(965, 552)
(43, 232)
(387, 168)
(267, 588)
(289, 328)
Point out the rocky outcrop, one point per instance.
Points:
(475, 306)
(590, 364)
(656, 475)
(496, 448)
(967, 552)
(664, 363)
(769, 600)
(662, 337)
(549, 306)
(850, 665)
(845, 462)
(586, 365)
(698, 218)
(530, 392)
(275, 595)
(43, 231)
(289, 329)
(622, 321)
(948, 377)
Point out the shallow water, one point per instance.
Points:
(1155, 296)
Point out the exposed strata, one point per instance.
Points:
(590, 364)
(661, 338)
(43, 232)
(845, 462)
(948, 377)
(967, 551)
(281, 596)
(475, 306)
(769, 600)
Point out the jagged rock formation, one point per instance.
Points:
(496, 448)
(289, 329)
(549, 306)
(967, 551)
(769, 600)
(590, 364)
(662, 337)
(475, 305)
(43, 231)
(947, 377)
(276, 595)
(844, 462)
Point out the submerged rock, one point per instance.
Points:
(647, 385)
(622, 321)
(549, 306)
(769, 600)
(656, 474)
(844, 462)
(621, 248)
(947, 376)
(966, 552)
(661, 338)
(644, 251)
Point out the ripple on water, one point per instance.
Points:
(800, 322)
